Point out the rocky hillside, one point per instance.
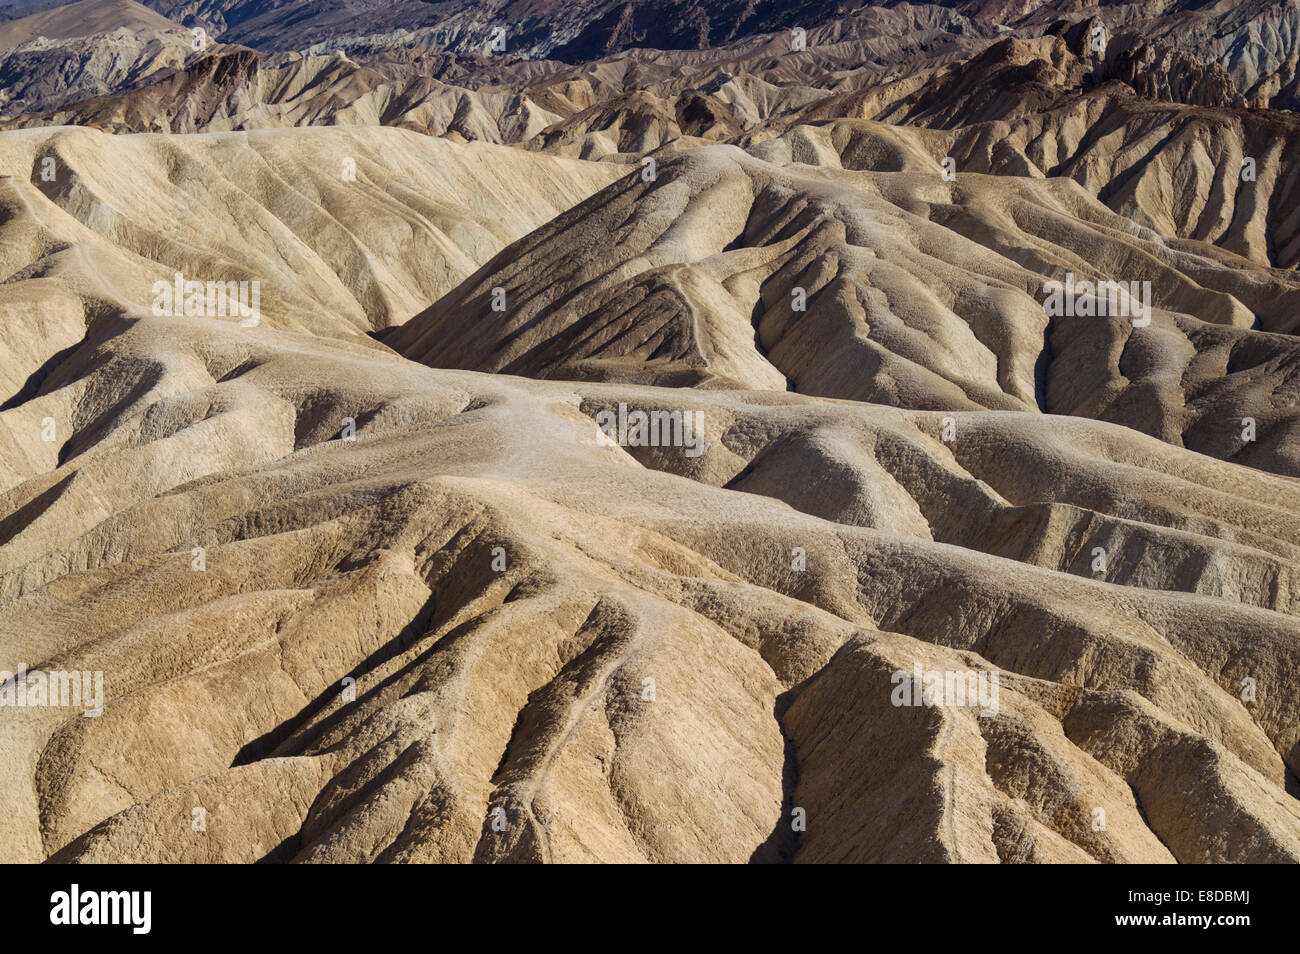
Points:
(650, 442)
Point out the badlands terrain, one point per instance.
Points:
(367, 576)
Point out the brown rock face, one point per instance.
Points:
(748, 464)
